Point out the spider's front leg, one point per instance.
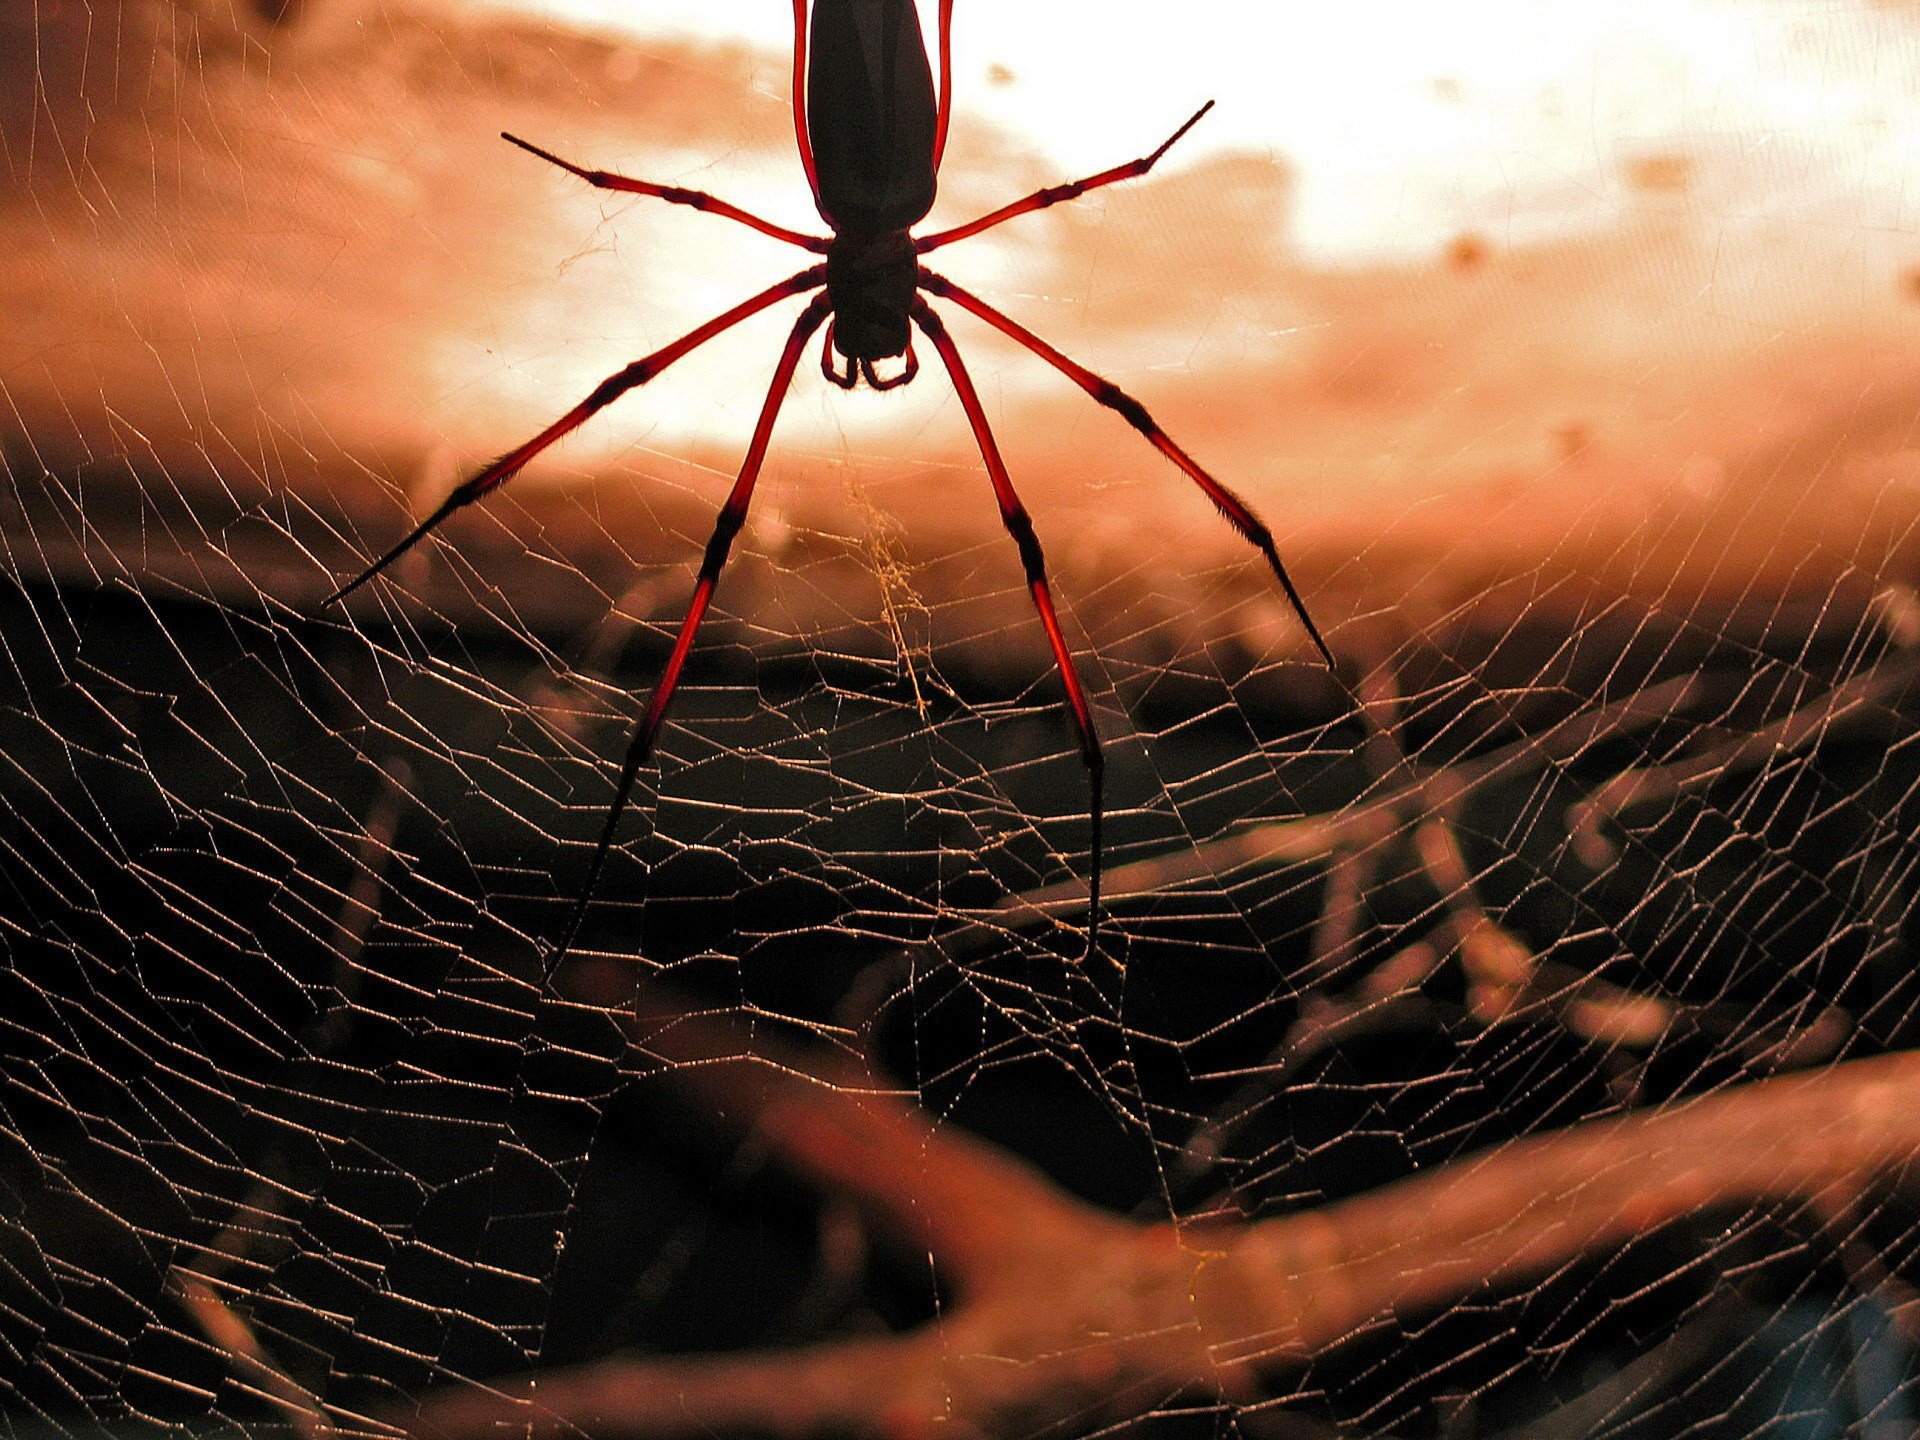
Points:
(1013, 514)
(604, 394)
(945, 116)
(802, 135)
(1056, 194)
(674, 195)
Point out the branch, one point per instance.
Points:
(1065, 1313)
(827, 1390)
(823, 1114)
(1523, 1209)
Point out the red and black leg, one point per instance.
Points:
(732, 516)
(1237, 511)
(845, 379)
(674, 195)
(1014, 516)
(604, 394)
(946, 84)
(1055, 194)
(800, 136)
(910, 367)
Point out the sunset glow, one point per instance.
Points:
(1313, 833)
(1404, 123)
(1364, 139)
(1554, 265)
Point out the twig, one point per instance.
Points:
(231, 1332)
(1504, 976)
(1308, 839)
(361, 906)
(557, 701)
(1861, 706)
(199, 1291)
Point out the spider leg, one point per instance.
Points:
(1054, 194)
(801, 138)
(674, 195)
(1238, 513)
(732, 516)
(946, 83)
(604, 394)
(910, 367)
(1014, 516)
(845, 380)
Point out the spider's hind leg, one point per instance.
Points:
(1013, 514)
(1238, 513)
(732, 516)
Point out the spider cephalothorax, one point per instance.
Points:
(870, 137)
(872, 280)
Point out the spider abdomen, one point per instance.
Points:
(871, 114)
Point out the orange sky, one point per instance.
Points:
(1686, 323)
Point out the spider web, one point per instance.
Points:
(1597, 465)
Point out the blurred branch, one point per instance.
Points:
(1310, 839)
(225, 1327)
(1505, 977)
(1055, 1312)
(1067, 1313)
(1863, 707)
(1404, 792)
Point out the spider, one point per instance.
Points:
(871, 138)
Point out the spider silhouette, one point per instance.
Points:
(871, 137)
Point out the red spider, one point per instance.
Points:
(870, 138)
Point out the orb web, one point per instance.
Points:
(1530, 1046)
